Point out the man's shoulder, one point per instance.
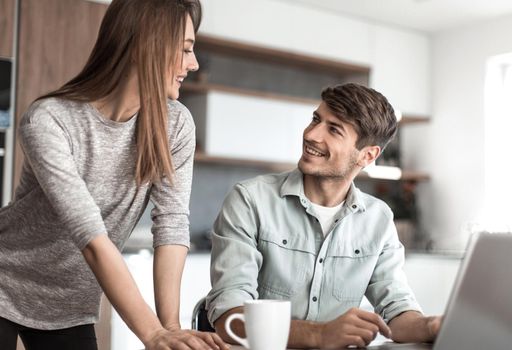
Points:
(374, 204)
(271, 181)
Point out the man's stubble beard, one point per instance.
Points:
(333, 174)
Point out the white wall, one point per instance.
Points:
(451, 147)
(289, 27)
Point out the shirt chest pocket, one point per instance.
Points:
(352, 268)
(287, 264)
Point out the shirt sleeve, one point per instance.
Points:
(235, 259)
(388, 290)
(48, 153)
(171, 198)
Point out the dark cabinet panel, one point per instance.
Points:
(6, 27)
(55, 39)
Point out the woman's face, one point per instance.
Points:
(188, 63)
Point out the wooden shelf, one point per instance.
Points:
(408, 119)
(194, 87)
(206, 87)
(202, 158)
(246, 50)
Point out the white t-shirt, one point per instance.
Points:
(326, 215)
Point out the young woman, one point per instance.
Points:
(96, 151)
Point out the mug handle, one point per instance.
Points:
(242, 341)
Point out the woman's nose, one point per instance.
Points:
(193, 65)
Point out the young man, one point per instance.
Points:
(312, 237)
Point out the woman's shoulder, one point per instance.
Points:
(55, 104)
(179, 115)
(177, 109)
(50, 109)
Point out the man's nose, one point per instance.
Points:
(314, 132)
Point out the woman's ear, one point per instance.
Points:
(368, 155)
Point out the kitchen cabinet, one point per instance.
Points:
(399, 58)
(431, 278)
(248, 127)
(316, 32)
(7, 28)
(55, 38)
(195, 284)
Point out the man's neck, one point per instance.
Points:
(326, 191)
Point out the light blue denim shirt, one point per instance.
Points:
(268, 244)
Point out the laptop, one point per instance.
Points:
(479, 311)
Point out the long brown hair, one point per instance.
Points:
(151, 33)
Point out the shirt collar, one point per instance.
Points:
(294, 186)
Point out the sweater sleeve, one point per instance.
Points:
(171, 198)
(49, 154)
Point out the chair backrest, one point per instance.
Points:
(199, 317)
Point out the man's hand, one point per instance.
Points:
(413, 327)
(177, 339)
(433, 326)
(355, 327)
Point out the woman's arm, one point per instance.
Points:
(168, 266)
(167, 271)
(112, 274)
(116, 281)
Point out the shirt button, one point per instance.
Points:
(321, 260)
(354, 206)
(285, 241)
(336, 220)
(357, 251)
(315, 299)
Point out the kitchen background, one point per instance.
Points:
(443, 64)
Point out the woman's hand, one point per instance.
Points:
(178, 339)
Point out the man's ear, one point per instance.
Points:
(368, 155)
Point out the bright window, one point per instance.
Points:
(498, 144)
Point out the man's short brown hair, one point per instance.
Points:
(367, 110)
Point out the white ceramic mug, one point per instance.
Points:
(267, 324)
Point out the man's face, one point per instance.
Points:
(329, 147)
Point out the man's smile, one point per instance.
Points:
(313, 151)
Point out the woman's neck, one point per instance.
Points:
(124, 102)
